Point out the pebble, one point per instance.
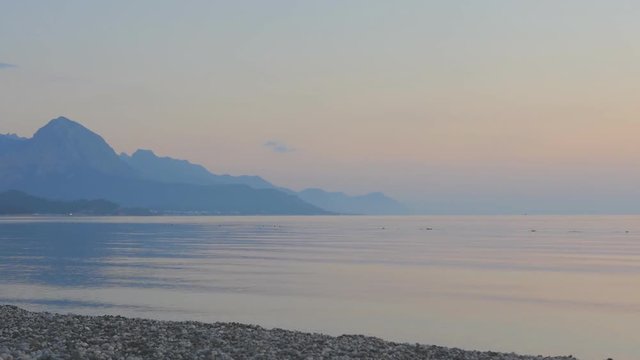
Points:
(31, 335)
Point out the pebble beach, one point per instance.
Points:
(42, 335)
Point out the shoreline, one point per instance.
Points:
(42, 335)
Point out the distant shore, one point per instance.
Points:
(41, 335)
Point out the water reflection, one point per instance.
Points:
(475, 282)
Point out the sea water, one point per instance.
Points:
(552, 285)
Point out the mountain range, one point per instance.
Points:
(66, 161)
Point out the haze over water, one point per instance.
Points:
(487, 282)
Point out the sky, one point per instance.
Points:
(450, 106)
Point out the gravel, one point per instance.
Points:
(31, 335)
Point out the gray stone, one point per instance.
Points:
(29, 335)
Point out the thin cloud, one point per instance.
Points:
(278, 147)
(7, 66)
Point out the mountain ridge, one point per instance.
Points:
(375, 203)
(171, 170)
(65, 160)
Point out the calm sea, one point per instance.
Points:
(530, 284)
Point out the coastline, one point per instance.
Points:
(43, 335)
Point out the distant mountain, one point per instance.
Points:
(62, 147)
(20, 203)
(169, 170)
(66, 161)
(165, 169)
(13, 137)
(166, 197)
(373, 204)
(9, 142)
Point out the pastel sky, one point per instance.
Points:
(452, 106)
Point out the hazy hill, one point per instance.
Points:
(166, 169)
(166, 197)
(64, 160)
(64, 146)
(20, 203)
(61, 148)
(373, 203)
(9, 142)
(169, 170)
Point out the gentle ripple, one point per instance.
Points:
(532, 284)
